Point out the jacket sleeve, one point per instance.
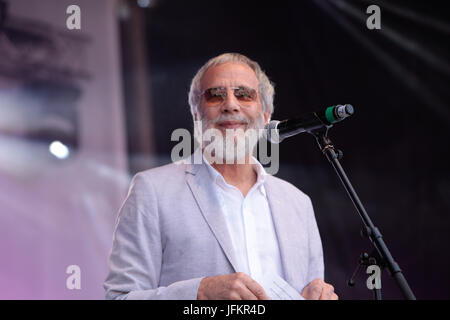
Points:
(136, 255)
(316, 264)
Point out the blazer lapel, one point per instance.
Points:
(290, 231)
(201, 186)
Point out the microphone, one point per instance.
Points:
(277, 131)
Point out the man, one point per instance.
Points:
(208, 230)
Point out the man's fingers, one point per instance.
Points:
(334, 297)
(237, 286)
(245, 293)
(313, 290)
(240, 289)
(256, 289)
(327, 292)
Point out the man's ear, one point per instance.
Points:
(266, 118)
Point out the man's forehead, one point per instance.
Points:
(229, 74)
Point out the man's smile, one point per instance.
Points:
(232, 124)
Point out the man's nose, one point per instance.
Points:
(230, 104)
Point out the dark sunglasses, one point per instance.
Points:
(219, 94)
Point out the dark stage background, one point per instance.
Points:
(83, 110)
(320, 53)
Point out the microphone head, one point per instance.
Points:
(343, 111)
(349, 109)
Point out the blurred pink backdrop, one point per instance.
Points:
(60, 212)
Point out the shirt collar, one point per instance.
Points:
(217, 177)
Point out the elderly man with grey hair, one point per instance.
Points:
(220, 228)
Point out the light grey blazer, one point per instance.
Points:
(170, 233)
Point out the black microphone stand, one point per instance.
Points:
(381, 255)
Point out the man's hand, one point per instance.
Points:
(319, 290)
(235, 286)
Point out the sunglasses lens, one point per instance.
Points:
(245, 94)
(215, 94)
(218, 94)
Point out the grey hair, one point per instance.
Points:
(266, 88)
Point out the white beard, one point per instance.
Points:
(235, 146)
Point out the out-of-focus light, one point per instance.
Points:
(124, 11)
(144, 3)
(59, 150)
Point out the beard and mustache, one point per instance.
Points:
(233, 147)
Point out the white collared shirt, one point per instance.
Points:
(250, 224)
